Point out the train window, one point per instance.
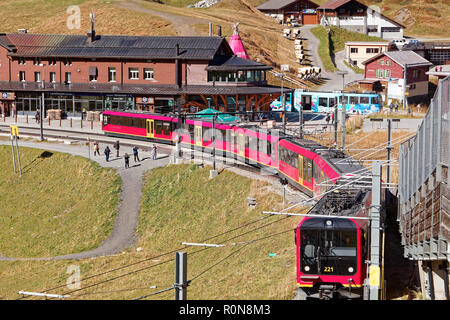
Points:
(328, 251)
(323, 102)
(354, 100)
(307, 170)
(289, 157)
(375, 100)
(364, 100)
(166, 128)
(106, 119)
(332, 102)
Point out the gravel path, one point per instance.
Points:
(183, 25)
(333, 81)
(123, 235)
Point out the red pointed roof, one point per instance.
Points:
(236, 44)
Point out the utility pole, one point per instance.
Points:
(375, 230)
(41, 117)
(388, 168)
(300, 120)
(283, 101)
(343, 73)
(180, 276)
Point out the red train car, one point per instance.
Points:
(331, 250)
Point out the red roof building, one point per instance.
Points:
(392, 67)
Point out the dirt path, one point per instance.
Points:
(183, 25)
(123, 235)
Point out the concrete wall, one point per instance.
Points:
(432, 280)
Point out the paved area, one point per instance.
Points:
(333, 80)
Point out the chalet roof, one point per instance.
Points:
(403, 58)
(278, 4)
(146, 47)
(234, 63)
(333, 4)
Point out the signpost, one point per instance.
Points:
(15, 136)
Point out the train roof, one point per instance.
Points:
(339, 160)
(341, 202)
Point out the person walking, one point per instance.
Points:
(136, 154)
(391, 107)
(154, 155)
(396, 106)
(117, 147)
(37, 116)
(96, 148)
(418, 107)
(327, 119)
(127, 160)
(107, 152)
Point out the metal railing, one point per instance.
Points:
(420, 156)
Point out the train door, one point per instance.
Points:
(241, 144)
(198, 136)
(150, 126)
(300, 169)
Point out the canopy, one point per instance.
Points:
(207, 114)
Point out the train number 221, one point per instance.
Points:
(328, 269)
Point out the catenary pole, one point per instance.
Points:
(180, 276)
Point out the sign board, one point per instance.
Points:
(374, 276)
(14, 131)
(7, 96)
(284, 67)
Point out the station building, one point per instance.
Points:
(80, 73)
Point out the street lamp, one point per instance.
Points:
(283, 100)
(343, 73)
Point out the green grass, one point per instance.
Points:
(61, 204)
(335, 42)
(324, 48)
(355, 69)
(180, 203)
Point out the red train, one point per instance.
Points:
(327, 266)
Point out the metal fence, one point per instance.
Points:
(421, 155)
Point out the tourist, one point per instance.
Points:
(107, 152)
(127, 160)
(117, 147)
(135, 153)
(154, 156)
(96, 148)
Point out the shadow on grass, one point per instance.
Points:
(36, 161)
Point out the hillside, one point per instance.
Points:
(214, 211)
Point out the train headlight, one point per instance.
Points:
(307, 268)
(350, 269)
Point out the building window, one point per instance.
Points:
(353, 50)
(148, 73)
(68, 77)
(372, 50)
(22, 75)
(52, 62)
(133, 73)
(67, 62)
(52, 76)
(37, 61)
(416, 73)
(22, 61)
(37, 77)
(412, 86)
(112, 74)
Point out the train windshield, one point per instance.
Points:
(331, 252)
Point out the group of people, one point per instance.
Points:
(126, 156)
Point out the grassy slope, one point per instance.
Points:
(43, 16)
(336, 43)
(169, 216)
(61, 204)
